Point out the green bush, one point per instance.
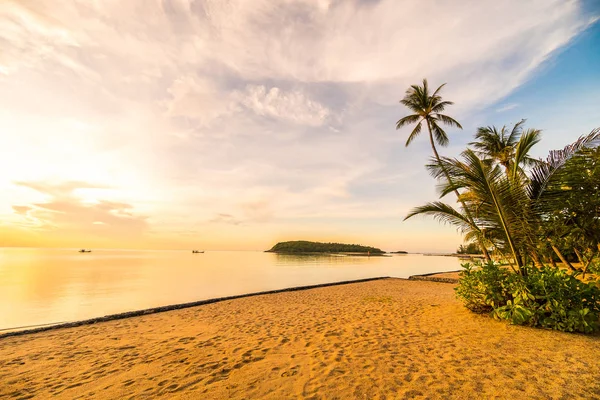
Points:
(471, 248)
(482, 289)
(594, 268)
(547, 297)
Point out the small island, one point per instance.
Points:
(306, 247)
(399, 252)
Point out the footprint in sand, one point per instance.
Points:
(291, 372)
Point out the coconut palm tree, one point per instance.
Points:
(427, 109)
(509, 149)
(510, 210)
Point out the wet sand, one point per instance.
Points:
(389, 339)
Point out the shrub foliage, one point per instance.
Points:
(544, 297)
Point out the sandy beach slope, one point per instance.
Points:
(383, 339)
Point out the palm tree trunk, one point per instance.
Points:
(437, 156)
(563, 259)
(536, 260)
(509, 237)
(485, 251)
(467, 212)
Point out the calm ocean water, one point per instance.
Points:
(43, 286)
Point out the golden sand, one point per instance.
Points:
(382, 339)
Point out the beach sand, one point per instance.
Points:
(388, 339)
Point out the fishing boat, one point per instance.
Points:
(85, 251)
(197, 251)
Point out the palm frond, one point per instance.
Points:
(449, 120)
(412, 104)
(415, 132)
(544, 171)
(409, 119)
(438, 133)
(443, 213)
(437, 168)
(425, 88)
(516, 132)
(438, 89)
(521, 154)
(439, 106)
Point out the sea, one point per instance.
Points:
(48, 286)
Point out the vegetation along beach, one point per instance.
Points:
(296, 199)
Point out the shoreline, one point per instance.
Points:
(171, 307)
(385, 337)
(442, 277)
(32, 329)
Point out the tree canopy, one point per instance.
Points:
(304, 246)
(527, 212)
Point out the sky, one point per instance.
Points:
(235, 124)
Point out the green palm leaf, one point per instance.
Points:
(443, 213)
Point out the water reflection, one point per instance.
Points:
(319, 259)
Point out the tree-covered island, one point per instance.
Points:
(306, 247)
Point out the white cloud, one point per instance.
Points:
(379, 42)
(204, 101)
(507, 107)
(197, 99)
(291, 106)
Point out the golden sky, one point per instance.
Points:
(237, 124)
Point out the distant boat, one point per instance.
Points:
(197, 251)
(85, 251)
